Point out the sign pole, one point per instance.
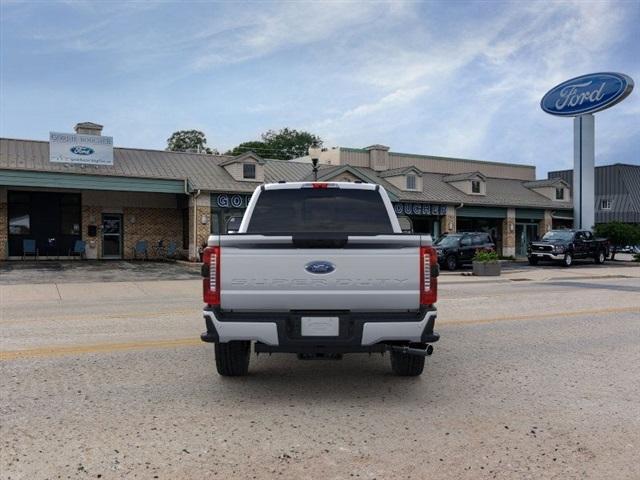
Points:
(583, 171)
(579, 98)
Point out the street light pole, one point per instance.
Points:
(314, 153)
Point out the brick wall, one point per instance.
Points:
(449, 220)
(203, 230)
(4, 242)
(152, 225)
(92, 216)
(509, 233)
(545, 224)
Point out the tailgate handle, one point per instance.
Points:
(320, 240)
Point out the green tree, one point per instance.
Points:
(188, 141)
(619, 234)
(257, 147)
(283, 144)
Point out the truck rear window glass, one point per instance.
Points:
(320, 210)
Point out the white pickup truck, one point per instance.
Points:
(320, 269)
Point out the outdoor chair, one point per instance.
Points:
(160, 249)
(172, 249)
(79, 248)
(142, 249)
(29, 248)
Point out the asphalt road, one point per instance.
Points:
(532, 379)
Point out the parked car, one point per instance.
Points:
(456, 249)
(320, 269)
(565, 246)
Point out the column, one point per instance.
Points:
(4, 227)
(200, 214)
(448, 222)
(509, 234)
(583, 172)
(545, 224)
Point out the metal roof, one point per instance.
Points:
(463, 176)
(547, 182)
(620, 184)
(205, 172)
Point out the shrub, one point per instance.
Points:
(482, 256)
(619, 234)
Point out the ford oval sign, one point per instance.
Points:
(79, 150)
(319, 267)
(587, 94)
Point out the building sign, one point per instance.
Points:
(80, 149)
(408, 208)
(587, 94)
(225, 200)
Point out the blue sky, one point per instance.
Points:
(460, 79)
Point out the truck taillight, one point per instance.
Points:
(211, 282)
(428, 276)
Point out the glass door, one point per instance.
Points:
(112, 235)
(525, 233)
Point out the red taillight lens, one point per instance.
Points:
(211, 283)
(320, 185)
(428, 276)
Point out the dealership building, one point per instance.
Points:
(113, 198)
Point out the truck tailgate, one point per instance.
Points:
(368, 274)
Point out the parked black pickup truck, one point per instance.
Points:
(564, 246)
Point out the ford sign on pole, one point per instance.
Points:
(80, 149)
(587, 94)
(580, 97)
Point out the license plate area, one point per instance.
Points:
(316, 326)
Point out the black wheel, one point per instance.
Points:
(405, 365)
(232, 358)
(533, 261)
(452, 263)
(600, 257)
(567, 260)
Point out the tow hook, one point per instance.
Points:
(427, 351)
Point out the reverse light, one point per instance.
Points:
(211, 282)
(428, 276)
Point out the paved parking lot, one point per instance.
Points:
(47, 271)
(533, 378)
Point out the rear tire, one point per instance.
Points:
(600, 257)
(232, 358)
(451, 263)
(567, 261)
(533, 261)
(405, 365)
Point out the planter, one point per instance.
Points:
(486, 269)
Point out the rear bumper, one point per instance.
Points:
(361, 331)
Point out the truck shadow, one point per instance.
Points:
(355, 378)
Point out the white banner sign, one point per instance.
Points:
(74, 148)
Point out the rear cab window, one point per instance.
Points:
(327, 210)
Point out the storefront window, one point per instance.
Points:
(19, 217)
(19, 220)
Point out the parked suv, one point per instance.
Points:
(456, 249)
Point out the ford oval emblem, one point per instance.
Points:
(79, 150)
(587, 94)
(319, 266)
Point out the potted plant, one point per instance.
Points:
(486, 264)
